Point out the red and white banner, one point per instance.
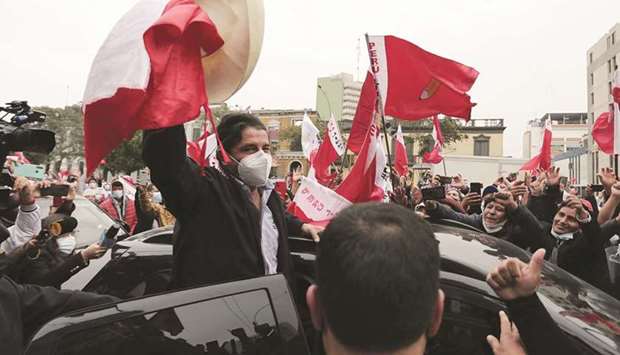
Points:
(204, 156)
(543, 159)
(401, 162)
(434, 156)
(316, 204)
(310, 137)
(331, 148)
(364, 114)
(147, 74)
(415, 84)
(368, 178)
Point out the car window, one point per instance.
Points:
(238, 324)
(468, 318)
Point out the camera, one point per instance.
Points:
(14, 137)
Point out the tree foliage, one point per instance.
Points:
(68, 126)
(292, 135)
(449, 127)
(127, 157)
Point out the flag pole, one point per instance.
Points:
(379, 104)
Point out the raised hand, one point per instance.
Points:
(509, 342)
(518, 189)
(514, 279)
(471, 199)
(607, 177)
(506, 200)
(553, 176)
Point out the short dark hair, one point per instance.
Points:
(378, 276)
(232, 126)
(117, 184)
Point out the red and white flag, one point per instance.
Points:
(603, 132)
(616, 110)
(543, 159)
(368, 178)
(434, 156)
(316, 204)
(147, 74)
(330, 150)
(363, 114)
(201, 154)
(310, 137)
(415, 84)
(401, 162)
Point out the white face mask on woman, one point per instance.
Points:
(66, 244)
(254, 169)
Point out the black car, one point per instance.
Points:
(258, 316)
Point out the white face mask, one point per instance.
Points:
(66, 244)
(254, 169)
(157, 197)
(117, 194)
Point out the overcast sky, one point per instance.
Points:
(531, 54)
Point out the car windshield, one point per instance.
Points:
(92, 221)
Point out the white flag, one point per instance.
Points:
(310, 137)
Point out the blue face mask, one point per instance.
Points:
(157, 197)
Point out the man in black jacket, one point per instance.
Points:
(24, 308)
(230, 223)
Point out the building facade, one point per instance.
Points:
(603, 59)
(569, 132)
(337, 94)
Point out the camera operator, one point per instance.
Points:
(55, 260)
(28, 220)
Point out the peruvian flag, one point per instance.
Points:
(434, 156)
(616, 110)
(147, 74)
(331, 148)
(401, 163)
(310, 138)
(543, 159)
(368, 178)
(204, 155)
(603, 132)
(363, 114)
(415, 84)
(316, 204)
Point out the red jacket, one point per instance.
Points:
(130, 212)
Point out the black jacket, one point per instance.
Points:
(50, 267)
(25, 308)
(218, 231)
(582, 256)
(521, 229)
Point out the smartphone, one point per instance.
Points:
(108, 238)
(476, 187)
(598, 188)
(30, 171)
(445, 180)
(56, 190)
(434, 193)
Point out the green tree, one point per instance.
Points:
(68, 126)
(127, 157)
(292, 135)
(450, 129)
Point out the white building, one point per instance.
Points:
(603, 59)
(337, 94)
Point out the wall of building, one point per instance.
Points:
(340, 93)
(478, 169)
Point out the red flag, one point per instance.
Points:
(434, 156)
(368, 178)
(331, 148)
(148, 74)
(401, 162)
(363, 114)
(603, 132)
(542, 160)
(415, 84)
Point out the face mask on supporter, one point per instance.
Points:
(66, 244)
(157, 197)
(254, 169)
(117, 194)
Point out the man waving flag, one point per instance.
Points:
(147, 74)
